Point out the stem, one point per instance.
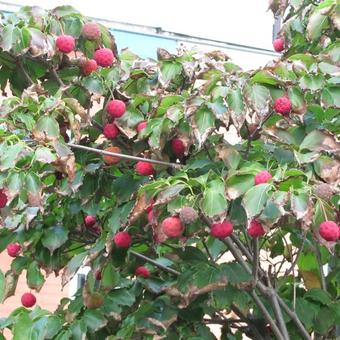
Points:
(124, 156)
(207, 250)
(322, 274)
(296, 258)
(22, 68)
(267, 316)
(256, 260)
(155, 263)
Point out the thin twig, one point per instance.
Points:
(207, 250)
(296, 257)
(256, 260)
(124, 156)
(23, 70)
(322, 274)
(155, 263)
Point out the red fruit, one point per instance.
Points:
(150, 216)
(110, 131)
(144, 168)
(122, 239)
(262, 177)
(172, 227)
(278, 44)
(142, 271)
(111, 160)
(28, 300)
(255, 229)
(65, 43)
(91, 31)
(98, 275)
(283, 105)
(89, 66)
(115, 108)
(329, 231)
(104, 57)
(178, 147)
(141, 126)
(221, 230)
(90, 221)
(13, 249)
(3, 199)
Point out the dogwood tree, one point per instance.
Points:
(198, 193)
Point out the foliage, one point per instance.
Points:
(230, 132)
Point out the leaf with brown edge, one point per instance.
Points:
(65, 162)
(318, 140)
(11, 281)
(310, 279)
(138, 209)
(169, 194)
(75, 106)
(328, 169)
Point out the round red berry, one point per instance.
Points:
(329, 231)
(178, 147)
(255, 229)
(89, 66)
(283, 105)
(90, 221)
(279, 45)
(122, 239)
(65, 43)
(221, 230)
(144, 168)
(13, 249)
(262, 177)
(3, 199)
(115, 108)
(28, 300)
(110, 131)
(104, 57)
(142, 271)
(91, 31)
(172, 227)
(141, 126)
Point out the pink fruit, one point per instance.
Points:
(141, 126)
(3, 199)
(283, 105)
(255, 229)
(172, 227)
(91, 31)
(110, 131)
(122, 239)
(65, 43)
(144, 168)
(13, 249)
(28, 300)
(221, 230)
(115, 108)
(279, 45)
(89, 66)
(104, 57)
(262, 177)
(90, 221)
(329, 231)
(142, 271)
(178, 147)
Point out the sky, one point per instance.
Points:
(238, 21)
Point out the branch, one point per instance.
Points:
(124, 156)
(22, 68)
(256, 260)
(267, 316)
(296, 258)
(155, 263)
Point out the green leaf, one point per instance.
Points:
(312, 82)
(9, 156)
(46, 128)
(306, 311)
(72, 267)
(255, 199)
(316, 23)
(7, 37)
(94, 320)
(35, 279)
(236, 107)
(296, 97)
(299, 205)
(214, 201)
(237, 185)
(204, 119)
(264, 77)
(22, 327)
(2, 286)
(318, 295)
(93, 84)
(259, 97)
(110, 277)
(330, 96)
(324, 320)
(170, 69)
(319, 141)
(54, 238)
(45, 155)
